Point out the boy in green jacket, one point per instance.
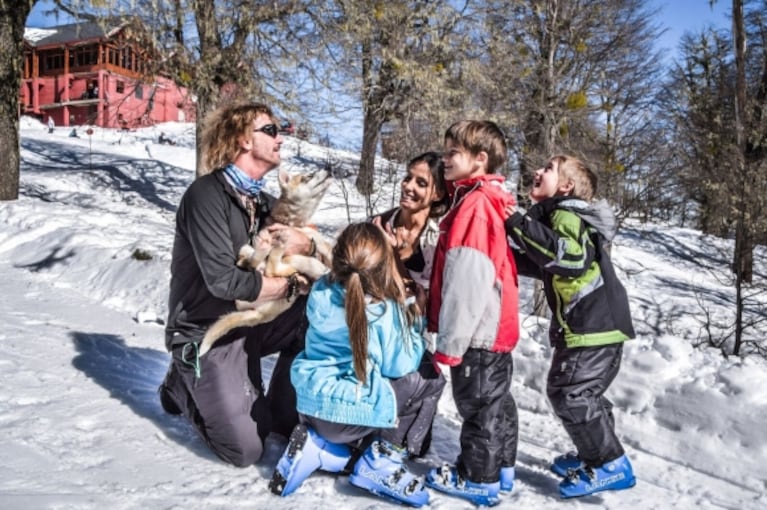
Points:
(561, 240)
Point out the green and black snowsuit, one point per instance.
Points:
(562, 241)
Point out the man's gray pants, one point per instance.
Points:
(225, 399)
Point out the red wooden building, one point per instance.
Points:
(85, 74)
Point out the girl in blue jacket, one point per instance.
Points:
(360, 381)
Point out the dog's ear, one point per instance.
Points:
(283, 177)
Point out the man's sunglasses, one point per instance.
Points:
(269, 129)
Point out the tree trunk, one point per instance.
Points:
(371, 124)
(371, 127)
(743, 256)
(739, 300)
(13, 16)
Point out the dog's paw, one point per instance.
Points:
(244, 257)
(310, 267)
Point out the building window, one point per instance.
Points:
(120, 87)
(126, 58)
(83, 56)
(54, 61)
(139, 92)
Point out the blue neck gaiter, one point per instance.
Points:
(243, 183)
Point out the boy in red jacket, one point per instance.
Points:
(474, 311)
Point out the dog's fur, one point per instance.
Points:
(300, 194)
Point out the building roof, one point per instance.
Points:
(73, 32)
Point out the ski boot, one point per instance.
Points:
(446, 479)
(306, 452)
(611, 476)
(564, 463)
(507, 479)
(381, 470)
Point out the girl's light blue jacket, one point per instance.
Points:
(323, 374)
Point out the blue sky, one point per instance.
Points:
(680, 16)
(38, 20)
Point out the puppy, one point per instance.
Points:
(300, 195)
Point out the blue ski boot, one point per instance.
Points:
(507, 479)
(306, 452)
(381, 470)
(446, 479)
(564, 463)
(610, 476)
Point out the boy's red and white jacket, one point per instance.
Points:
(473, 296)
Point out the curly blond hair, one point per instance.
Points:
(222, 131)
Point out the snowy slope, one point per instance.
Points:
(81, 353)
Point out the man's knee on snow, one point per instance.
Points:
(243, 449)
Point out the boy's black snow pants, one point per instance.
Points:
(223, 395)
(577, 381)
(489, 433)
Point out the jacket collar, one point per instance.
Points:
(494, 183)
(464, 185)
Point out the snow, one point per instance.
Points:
(37, 34)
(81, 352)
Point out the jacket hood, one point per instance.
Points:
(325, 307)
(598, 214)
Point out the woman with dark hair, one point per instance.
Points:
(413, 230)
(413, 227)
